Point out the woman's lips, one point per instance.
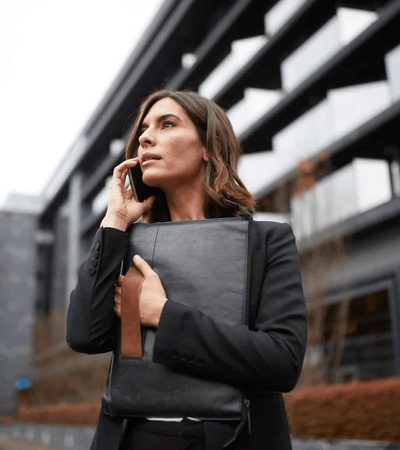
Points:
(148, 157)
(148, 161)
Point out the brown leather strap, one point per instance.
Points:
(131, 339)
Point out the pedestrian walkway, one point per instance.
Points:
(21, 436)
(9, 443)
(52, 437)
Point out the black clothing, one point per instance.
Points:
(265, 359)
(186, 435)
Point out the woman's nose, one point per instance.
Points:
(146, 139)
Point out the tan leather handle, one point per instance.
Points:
(131, 338)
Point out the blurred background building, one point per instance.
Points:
(312, 88)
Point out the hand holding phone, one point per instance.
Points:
(141, 191)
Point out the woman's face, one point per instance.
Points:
(170, 151)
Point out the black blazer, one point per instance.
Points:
(266, 360)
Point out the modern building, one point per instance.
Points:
(312, 88)
(18, 237)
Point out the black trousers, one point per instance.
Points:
(185, 435)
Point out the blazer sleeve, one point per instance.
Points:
(91, 320)
(270, 355)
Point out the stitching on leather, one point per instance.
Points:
(154, 247)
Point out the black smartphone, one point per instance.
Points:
(141, 191)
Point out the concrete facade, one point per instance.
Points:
(17, 297)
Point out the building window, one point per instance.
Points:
(356, 341)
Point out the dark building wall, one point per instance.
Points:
(17, 295)
(59, 261)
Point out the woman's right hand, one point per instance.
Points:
(123, 209)
(117, 296)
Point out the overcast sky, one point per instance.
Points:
(57, 60)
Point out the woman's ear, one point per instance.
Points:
(205, 155)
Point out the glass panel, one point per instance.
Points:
(337, 32)
(255, 103)
(355, 340)
(280, 13)
(392, 62)
(311, 55)
(304, 137)
(354, 105)
(257, 170)
(368, 351)
(242, 51)
(341, 195)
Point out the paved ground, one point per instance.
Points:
(37, 437)
(44, 437)
(17, 444)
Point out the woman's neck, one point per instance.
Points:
(186, 204)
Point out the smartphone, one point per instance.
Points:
(141, 191)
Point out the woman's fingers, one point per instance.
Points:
(123, 209)
(152, 294)
(147, 204)
(122, 168)
(117, 295)
(129, 193)
(120, 173)
(143, 266)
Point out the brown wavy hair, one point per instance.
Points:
(215, 131)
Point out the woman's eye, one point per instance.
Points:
(168, 124)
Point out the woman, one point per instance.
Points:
(186, 147)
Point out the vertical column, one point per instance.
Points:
(394, 308)
(392, 154)
(74, 221)
(44, 239)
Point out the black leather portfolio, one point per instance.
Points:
(203, 264)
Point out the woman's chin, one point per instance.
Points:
(152, 181)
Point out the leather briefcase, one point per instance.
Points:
(204, 264)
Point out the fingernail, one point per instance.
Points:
(136, 257)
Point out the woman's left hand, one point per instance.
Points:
(152, 295)
(117, 296)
